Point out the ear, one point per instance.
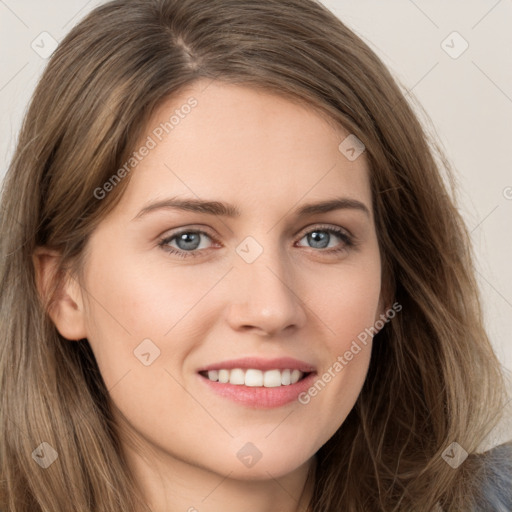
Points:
(65, 307)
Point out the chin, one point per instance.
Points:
(260, 461)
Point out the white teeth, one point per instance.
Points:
(253, 378)
(295, 376)
(256, 378)
(224, 376)
(285, 377)
(272, 379)
(237, 377)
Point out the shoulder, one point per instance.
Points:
(494, 478)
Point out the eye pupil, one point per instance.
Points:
(188, 242)
(319, 237)
(191, 240)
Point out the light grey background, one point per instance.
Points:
(468, 99)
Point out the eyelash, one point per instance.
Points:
(348, 241)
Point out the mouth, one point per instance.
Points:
(259, 390)
(258, 383)
(253, 377)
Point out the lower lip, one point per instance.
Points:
(260, 397)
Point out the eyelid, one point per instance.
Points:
(319, 227)
(348, 239)
(302, 232)
(169, 234)
(164, 239)
(337, 230)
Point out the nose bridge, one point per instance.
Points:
(265, 298)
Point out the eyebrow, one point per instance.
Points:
(221, 209)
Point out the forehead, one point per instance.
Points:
(245, 145)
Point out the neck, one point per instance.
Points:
(167, 483)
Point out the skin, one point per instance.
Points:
(267, 155)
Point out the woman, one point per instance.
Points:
(233, 279)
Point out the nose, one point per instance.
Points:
(262, 296)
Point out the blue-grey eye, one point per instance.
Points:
(189, 240)
(320, 239)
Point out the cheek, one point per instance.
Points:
(140, 299)
(348, 303)
(134, 309)
(348, 309)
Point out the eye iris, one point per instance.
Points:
(190, 240)
(319, 236)
(186, 238)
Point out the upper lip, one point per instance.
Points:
(280, 363)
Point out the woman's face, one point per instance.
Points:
(170, 292)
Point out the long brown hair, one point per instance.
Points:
(433, 378)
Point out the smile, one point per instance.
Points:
(259, 390)
(255, 378)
